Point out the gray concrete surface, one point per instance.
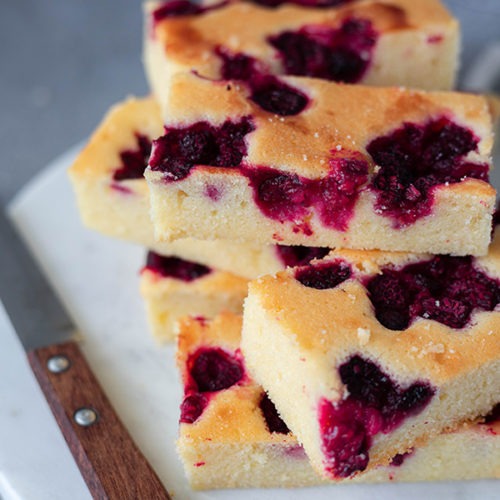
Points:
(64, 62)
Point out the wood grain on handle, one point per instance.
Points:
(110, 462)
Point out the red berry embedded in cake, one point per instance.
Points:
(323, 275)
(293, 256)
(445, 289)
(209, 370)
(274, 422)
(280, 196)
(276, 97)
(201, 143)
(286, 197)
(493, 416)
(266, 90)
(374, 404)
(399, 459)
(336, 195)
(238, 66)
(340, 54)
(319, 4)
(214, 369)
(134, 161)
(173, 288)
(192, 407)
(174, 267)
(416, 158)
(179, 8)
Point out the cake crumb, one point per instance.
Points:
(363, 336)
(437, 348)
(431, 348)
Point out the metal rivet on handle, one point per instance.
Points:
(58, 364)
(85, 417)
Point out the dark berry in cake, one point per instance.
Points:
(266, 90)
(279, 195)
(293, 256)
(273, 420)
(374, 403)
(319, 4)
(445, 289)
(178, 8)
(496, 219)
(342, 55)
(180, 149)
(173, 267)
(324, 275)
(134, 161)
(493, 416)
(213, 369)
(336, 195)
(237, 66)
(289, 197)
(399, 459)
(276, 97)
(192, 407)
(416, 158)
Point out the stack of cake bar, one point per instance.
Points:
(318, 217)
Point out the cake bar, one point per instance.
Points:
(314, 163)
(232, 437)
(173, 288)
(400, 348)
(396, 42)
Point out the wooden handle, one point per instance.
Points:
(110, 462)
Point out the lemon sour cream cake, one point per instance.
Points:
(391, 42)
(231, 435)
(400, 348)
(309, 162)
(173, 288)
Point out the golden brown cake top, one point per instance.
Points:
(242, 27)
(421, 316)
(338, 120)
